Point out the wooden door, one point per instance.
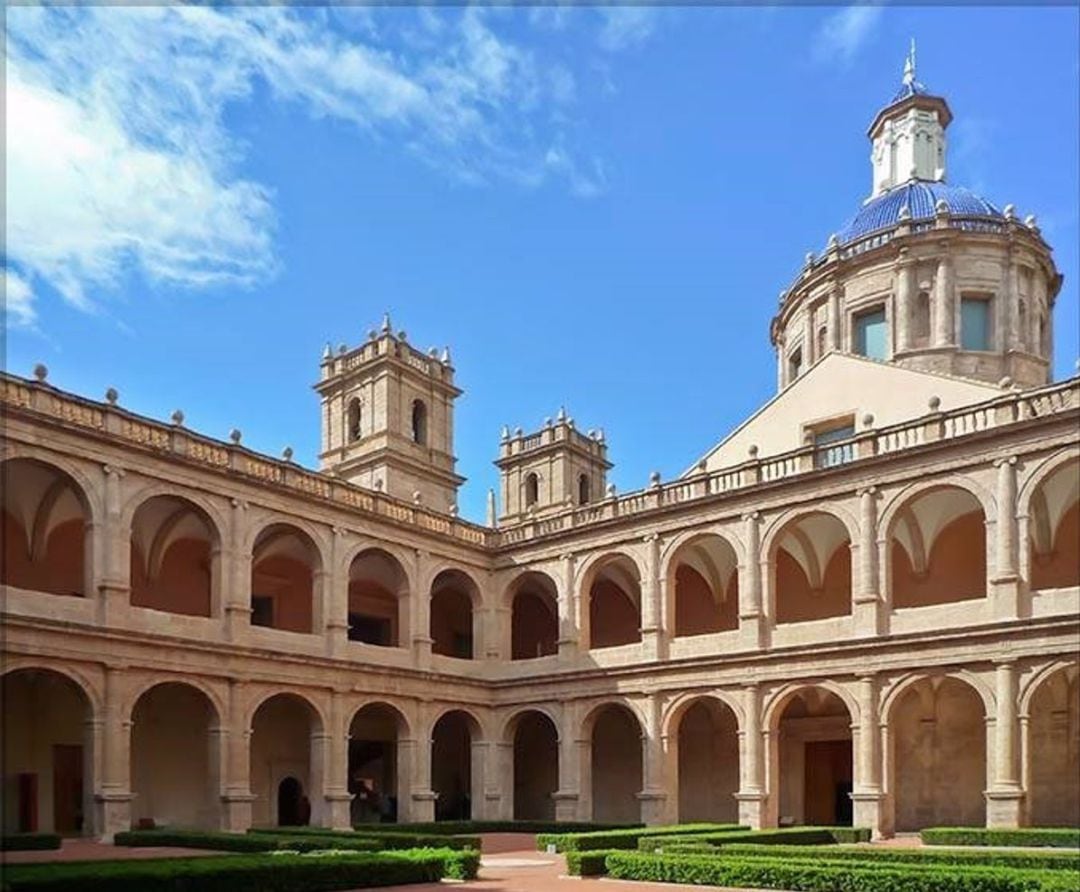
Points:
(67, 788)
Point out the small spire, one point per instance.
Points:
(386, 327)
(446, 356)
(327, 352)
(491, 508)
(909, 65)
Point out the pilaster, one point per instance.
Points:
(1005, 583)
(653, 639)
(867, 603)
(1005, 798)
(751, 618)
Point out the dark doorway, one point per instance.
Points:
(68, 788)
(828, 782)
(28, 802)
(289, 803)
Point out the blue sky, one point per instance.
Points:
(594, 207)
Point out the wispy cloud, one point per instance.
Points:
(624, 27)
(120, 159)
(18, 300)
(844, 32)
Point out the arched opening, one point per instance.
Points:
(373, 763)
(378, 587)
(705, 585)
(938, 549)
(534, 617)
(1054, 525)
(451, 765)
(47, 754)
(812, 560)
(44, 529)
(812, 757)
(707, 762)
(937, 731)
(175, 758)
(283, 731)
(616, 765)
(532, 490)
(352, 420)
(1053, 755)
(452, 596)
(173, 550)
(920, 322)
(536, 767)
(614, 588)
(583, 489)
(283, 567)
(419, 423)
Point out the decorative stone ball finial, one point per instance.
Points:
(1030, 222)
(868, 420)
(178, 418)
(934, 403)
(518, 432)
(402, 335)
(1010, 212)
(433, 352)
(287, 453)
(702, 466)
(780, 299)
(111, 396)
(378, 485)
(372, 335)
(547, 421)
(941, 207)
(453, 510)
(235, 435)
(1005, 383)
(600, 435)
(41, 372)
(654, 480)
(417, 497)
(343, 349)
(905, 213)
(809, 258)
(753, 450)
(611, 490)
(834, 242)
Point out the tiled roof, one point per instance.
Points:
(920, 197)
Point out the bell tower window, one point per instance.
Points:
(583, 489)
(353, 421)
(532, 490)
(419, 423)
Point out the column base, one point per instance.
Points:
(1005, 597)
(752, 632)
(653, 645)
(236, 812)
(114, 600)
(566, 805)
(337, 637)
(1004, 807)
(652, 806)
(112, 813)
(237, 621)
(868, 811)
(568, 649)
(752, 808)
(423, 806)
(422, 652)
(867, 616)
(337, 814)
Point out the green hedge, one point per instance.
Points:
(804, 876)
(791, 835)
(386, 839)
(196, 839)
(961, 857)
(587, 864)
(473, 827)
(25, 842)
(627, 838)
(1068, 838)
(240, 873)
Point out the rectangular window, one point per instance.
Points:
(794, 365)
(870, 334)
(262, 610)
(974, 323)
(829, 448)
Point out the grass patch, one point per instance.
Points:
(1052, 837)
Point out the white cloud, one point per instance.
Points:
(18, 300)
(120, 160)
(845, 32)
(625, 27)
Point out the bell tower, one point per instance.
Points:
(388, 418)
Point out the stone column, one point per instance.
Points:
(944, 310)
(752, 795)
(422, 796)
(835, 322)
(113, 797)
(568, 796)
(336, 614)
(114, 550)
(421, 614)
(867, 797)
(1005, 323)
(751, 617)
(866, 603)
(905, 295)
(653, 643)
(808, 339)
(237, 598)
(406, 765)
(1005, 583)
(1004, 799)
(484, 792)
(568, 627)
(236, 796)
(338, 812)
(653, 793)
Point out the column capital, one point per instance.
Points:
(650, 537)
(113, 471)
(1010, 460)
(867, 491)
(752, 515)
(567, 556)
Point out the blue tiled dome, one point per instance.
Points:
(920, 197)
(907, 90)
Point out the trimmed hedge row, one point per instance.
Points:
(806, 876)
(386, 839)
(1068, 838)
(26, 842)
(790, 835)
(961, 857)
(627, 838)
(587, 864)
(241, 873)
(196, 839)
(455, 828)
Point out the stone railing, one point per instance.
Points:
(935, 426)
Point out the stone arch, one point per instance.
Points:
(378, 777)
(533, 600)
(974, 487)
(936, 540)
(175, 756)
(46, 522)
(146, 490)
(674, 711)
(616, 766)
(1050, 717)
(702, 734)
(286, 573)
(901, 685)
(456, 763)
(810, 559)
(454, 601)
(287, 737)
(175, 556)
(90, 485)
(611, 606)
(378, 598)
(89, 689)
(1051, 508)
(48, 718)
(702, 592)
(533, 736)
(144, 686)
(937, 755)
(810, 767)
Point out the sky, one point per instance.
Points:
(594, 207)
